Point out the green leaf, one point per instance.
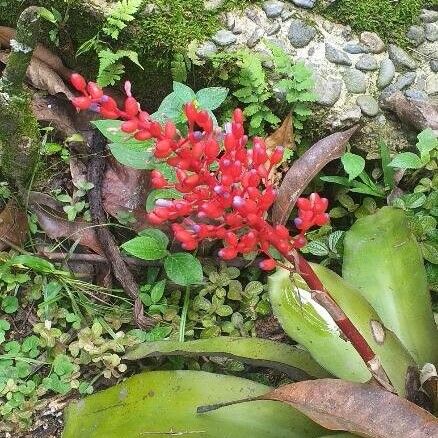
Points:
(183, 268)
(157, 291)
(211, 98)
(36, 263)
(336, 180)
(111, 130)
(317, 248)
(353, 164)
(178, 393)
(406, 160)
(183, 92)
(427, 142)
(137, 156)
(155, 234)
(146, 247)
(170, 108)
(4, 325)
(62, 365)
(156, 334)
(430, 251)
(414, 200)
(9, 304)
(160, 194)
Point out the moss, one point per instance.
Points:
(156, 37)
(389, 19)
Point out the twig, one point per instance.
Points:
(322, 296)
(96, 168)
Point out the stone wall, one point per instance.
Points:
(353, 73)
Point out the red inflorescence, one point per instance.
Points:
(226, 187)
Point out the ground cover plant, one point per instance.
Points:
(206, 258)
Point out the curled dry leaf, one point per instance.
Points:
(53, 222)
(124, 190)
(52, 111)
(305, 168)
(363, 409)
(419, 114)
(283, 136)
(40, 52)
(13, 225)
(43, 77)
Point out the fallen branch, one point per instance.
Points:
(96, 168)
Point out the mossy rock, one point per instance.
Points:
(388, 18)
(156, 34)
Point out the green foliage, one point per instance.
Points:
(389, 19)
(326, 245)
(254, 92)
(295, 82)
(427, 145)
(119, 15)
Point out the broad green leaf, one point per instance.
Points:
(388, 171)
(292, 360)
(414, 200)
(9, 304)
(183, 268)
(36, 263)
(163, 403)
(183, 92)
(155, 234)
(353, 164)
(111, 130)
(317, 248)
(62, 365)
(137, 156)
(430, 251)
(427, 142)
(157, 291)
(211, 98)
(160, 194)
(337, 180)
(406, 160)
(384, 262)
(146, 247)
(170, 108)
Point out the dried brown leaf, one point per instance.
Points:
(13, 225)
(363, 409)
(125, 189)
(56, 226)
(305, 168)
(43, 77)
(419, 114)
(283, 136)
(42, 53)
(53, 111)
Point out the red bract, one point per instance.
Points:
(225, 185)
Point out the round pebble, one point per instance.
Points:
(367, 63)
(336, 56)
(273, 8)
(372, 42)
(355, 81)
(368, 105)
(300, 33)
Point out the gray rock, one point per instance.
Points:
(414, 94)
(273, 29)
(336, 56)
(403, 81)
(432, 84)
(273, 8)
(347, 117)
(372, 42)
(309, 4)
(300, 34)
(327, 90)
(434, 65)
(400, 58)
(355, 81)
(253, 16)
(286, 14)
(211, 5)
(255, 37)
(230, 21)
(367, 63)
(368, 105)
(386, 73)
(388, 91)
(416, 35)
(224, 38)
(355, 48)
(207, 49)
(347, 32)
(428, 16)
(431, 31)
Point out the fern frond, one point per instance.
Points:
(119, 15)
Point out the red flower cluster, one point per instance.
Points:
(225, 186)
